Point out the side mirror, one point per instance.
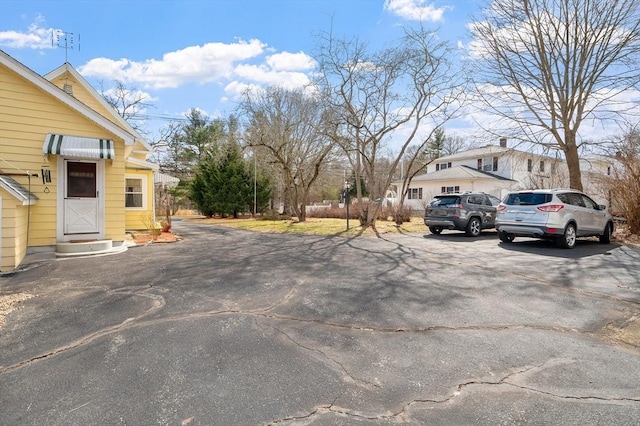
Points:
(602, 207)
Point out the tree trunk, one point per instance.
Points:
(302, 217)
(573, 161)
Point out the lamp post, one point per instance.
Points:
(255, 186)
(347, 189)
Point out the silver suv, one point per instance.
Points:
(561, 215)
(470, 212)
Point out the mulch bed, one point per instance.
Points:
(142, 238)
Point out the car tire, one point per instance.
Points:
(435, 230)
(473, 227)
(605, 238)
(568, 240)
(505, 237)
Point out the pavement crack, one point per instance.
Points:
(340, 366)
(286, 297)
(317, 410)
(158, 302)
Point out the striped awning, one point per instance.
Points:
(79, 147)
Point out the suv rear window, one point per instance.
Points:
(527, 199)
(444, 201)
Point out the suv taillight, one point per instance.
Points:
(455, 206)
(501, 207)
(551, 208)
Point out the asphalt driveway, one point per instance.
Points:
(230, 327)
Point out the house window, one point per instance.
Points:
(541, 166)
(442, 166)
(609, 171)
(81, 179)
(415, 194)
(450, 189)
(489, 164)
(529, 165)
(134, 192)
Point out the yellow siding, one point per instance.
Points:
(14, 230)
(27, 114)
(83, 95)
(114, 199)
(140, 219)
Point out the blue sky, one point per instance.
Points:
(203, 53)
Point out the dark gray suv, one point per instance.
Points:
(470, 212)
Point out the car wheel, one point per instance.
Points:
(435, 230)
(473, 227)
(505, 237)
(605, 238)
(568, 240)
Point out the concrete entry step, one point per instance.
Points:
(88, 248)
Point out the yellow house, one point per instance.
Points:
(74, 175)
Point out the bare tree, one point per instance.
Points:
(287, 126)
(129, 103)
(383, 97)
(624, 183)
(548, 65)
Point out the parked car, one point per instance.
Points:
(561, 215)
(470, 212)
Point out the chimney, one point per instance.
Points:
(503, 142)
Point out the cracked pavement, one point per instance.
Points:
(229, 327)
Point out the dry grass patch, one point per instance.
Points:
(315, 226)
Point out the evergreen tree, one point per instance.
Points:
(225, 187)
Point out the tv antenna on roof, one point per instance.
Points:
(64, 40)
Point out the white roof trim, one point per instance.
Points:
(18, 191)
(66, 67)
(143, 164)
(63, 97)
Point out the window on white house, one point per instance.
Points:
(529, 165)
(442, 166)
(415, 194)
(489, 164)
(450, 189)
(134, 192)
(541, 166)
(609, 171)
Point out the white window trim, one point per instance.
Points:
(144, 187)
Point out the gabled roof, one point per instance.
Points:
(457, 173)
(67, 68)
(53, 90)
(20, 192)
(487, 151)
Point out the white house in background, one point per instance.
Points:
(498, 169)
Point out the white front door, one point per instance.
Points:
(82, 203)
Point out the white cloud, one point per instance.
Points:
(236, 89)
(265, 75)
(291, 61)
(415, 10)
(36, 37)
(194, 64)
